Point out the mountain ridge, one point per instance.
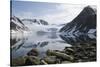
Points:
(84, 22)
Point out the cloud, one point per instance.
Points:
(63, 13)
(23, 14)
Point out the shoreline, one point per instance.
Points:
(82, 52)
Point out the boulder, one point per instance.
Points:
(69, 50)
(64, 62)
(20, 61)
(50, 59)
(33, 52)
(59, 55)
(44, 62)
(32, 60)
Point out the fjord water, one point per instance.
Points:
(21, 44)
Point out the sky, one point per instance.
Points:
(53, 13)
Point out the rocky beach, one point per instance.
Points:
(77, 53)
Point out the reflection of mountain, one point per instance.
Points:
(38, 44)
(40, 33)
(18, 45)
(17, 42)
(13, 41)
(52, 35)
(16, 25)
(21, 46)
(85, 22)
(35, 21)
(83, 38)
(48, 34)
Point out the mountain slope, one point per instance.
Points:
(35, 21)
(16, 25)
(83, 23)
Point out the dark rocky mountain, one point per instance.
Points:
(36, 21)
(17, 25)
(85, 22)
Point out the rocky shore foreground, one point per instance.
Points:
(85, 52)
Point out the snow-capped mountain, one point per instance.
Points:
(16, 25)
(32, 25)
(35, 21)
(37, 25)
(85, 22)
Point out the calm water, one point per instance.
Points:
(21, 44)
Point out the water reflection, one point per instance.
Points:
(41, 44)
(79, 38)
(22, 44)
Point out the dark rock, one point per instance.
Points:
(50, 59)
(33, 52)
(59, 55)
(44, 62)
(32, 60)
(20, 61)
(69, 50)
(83, 52)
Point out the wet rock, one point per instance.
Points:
(83, 45)
(50, 59)
(79, 53)
(75, 45)
(60, 55)
(32, 60)
(91, 54)
(20, 61)
(79, 60)
(44, 62)
(93, 44)
(83, 52)
(85, 58)
(69, 50)
(33, 52)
